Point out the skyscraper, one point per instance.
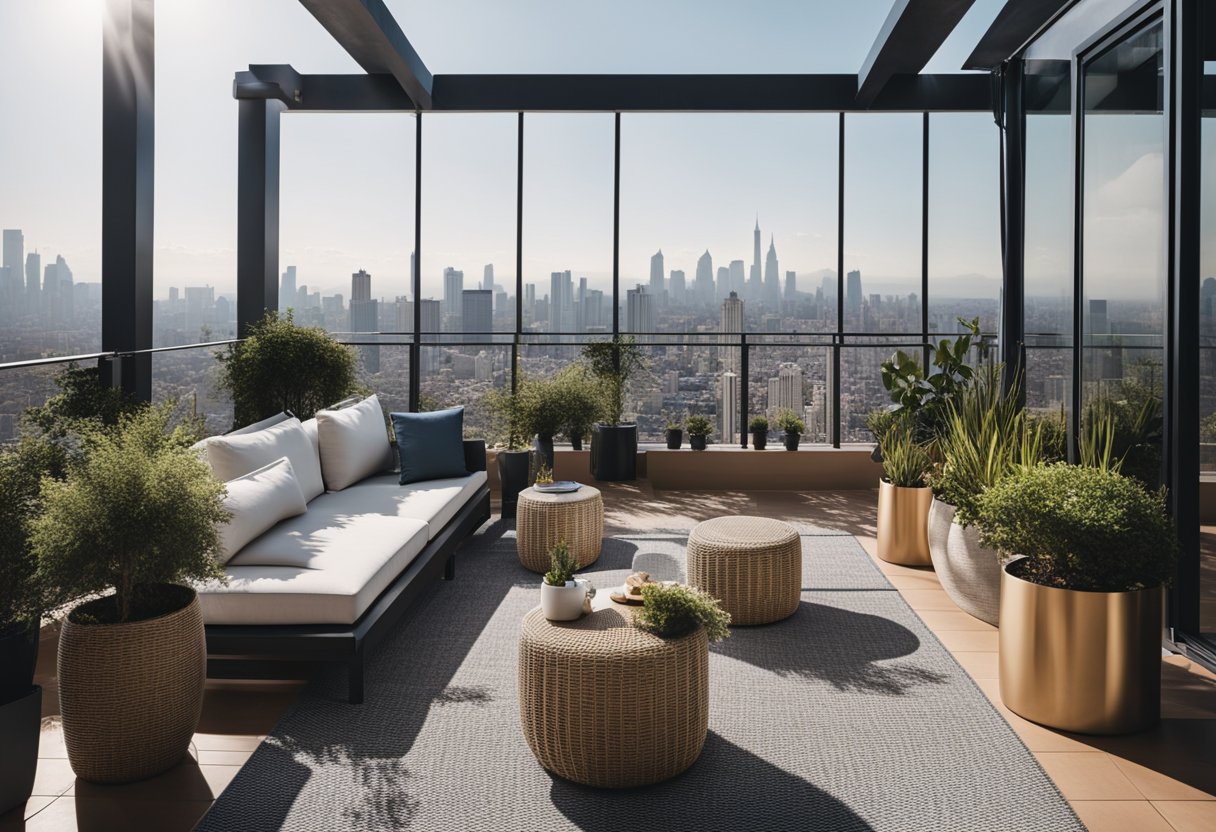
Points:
(772, 277)
(33, 272)
(639, 310)
(13, 259)
(791, 285)
(705, 278)
(364, 317)
(561, 302)
(728, 408)
(676, 288)
(360, 288)
(453, 285)
(785, 391)
(724, 289)
(737, 282)
(656, 274)
(731, 322)
(487, 277)
(754, 291)
(852, 293)
(430, 321)
(287, 288)
(477, 313)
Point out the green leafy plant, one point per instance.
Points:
(281, 366)
(759, 424)
(82, 402)
(905, 460)
(23, 465)
(699, 426)
(924, 397)
(613, 363)
(544, 406)
(1080, 528)
(674, 422)
(140, 511)
(788, 422)
(672, 611)
(582, 404)
(562, 565)
(1124, 428)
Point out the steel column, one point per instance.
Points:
(416, 277)
(837, 341)
(744, 392)
(257, 233)
(924, 240)
(616, 231)
(1013, 296)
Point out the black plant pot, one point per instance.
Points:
(513, 470)
(18, 656)
(20, 724)
(614, 452)
(576, 442)
(697, 441)
(675, 438)
(543, 447)
(791, 441)
(759, 439)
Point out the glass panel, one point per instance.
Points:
(452, 376)
(964, 221)
(567, 247)
(861, 390)
(882, 223)
(1207, 346)
(189, 376)
(469, 183)
(22, 389)
(50, 164)
(712, 204)
(797, 378)
(1123, 239)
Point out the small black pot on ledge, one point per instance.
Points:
(792, 440)
(675, 438)
(697, 441)
(759, 439)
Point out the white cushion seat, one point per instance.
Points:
(434, 502)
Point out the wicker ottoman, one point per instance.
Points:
(753, 565)
(604, 704)
(541, 520)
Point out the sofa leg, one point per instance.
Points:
(354, 683)
(449, 568)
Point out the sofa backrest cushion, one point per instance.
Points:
(257, 501)
(233, 456)
(354, 442)
(431, 445)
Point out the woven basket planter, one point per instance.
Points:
(605, 704)
(969, 572)
(131, 694)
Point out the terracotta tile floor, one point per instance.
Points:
(1163, 780)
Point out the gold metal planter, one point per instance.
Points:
(903, 524)
(1088, 662)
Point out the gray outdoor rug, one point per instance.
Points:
(848, 716)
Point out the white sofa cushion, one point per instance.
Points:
(257, 501)
(317, 568)
(434, 502)
(354, 442)
(235, 455)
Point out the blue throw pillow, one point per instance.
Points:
(431, 445)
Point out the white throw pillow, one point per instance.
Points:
(354, 443)
(257, 501)
(235, 456)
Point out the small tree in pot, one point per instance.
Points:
(510, 426)
(675, 433)
(759, 430)
(699, 430)
(544, 408)
(581, 403)
(140, 515)
(793, 427)
(614, 445)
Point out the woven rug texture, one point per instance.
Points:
(848, 716)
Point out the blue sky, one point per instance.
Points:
(688, 182)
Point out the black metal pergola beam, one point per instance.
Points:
(367, 30)
(1017, 22)
(630, 93)
(912, 33)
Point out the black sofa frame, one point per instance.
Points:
(289, 651)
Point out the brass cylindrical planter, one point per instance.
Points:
(1088, 662)
(903, 524)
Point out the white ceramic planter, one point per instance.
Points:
(564, 603)
(970, 573)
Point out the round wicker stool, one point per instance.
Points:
(604, 704)
(753, 565)
(541, 520)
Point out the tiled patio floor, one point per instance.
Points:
(1160, 780)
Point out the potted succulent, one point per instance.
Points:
(614, 443)
(140, 516)
(789, 424)
(699, 429)
(903, 498)
(759, 429)
(562, 598)
(1081, 602)
(675, 433)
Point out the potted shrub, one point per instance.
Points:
(759, 429)
(510, 421)
(675, 434)
(544, 411)
(582, 404)
(699, 429)
(789, 424)
(924, 398)
(1081, 605)
(140, 515)
(283, 367)
(674, 610)
(562, 598)
(614, 443)
(903, 498)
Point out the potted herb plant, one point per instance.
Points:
(508, 412)
(699, 429)
(140, 515)
(793, 427)
(562, 598)
(903, 498)
(614, 443)
(675, 433)
(1081, 602)
(759, 430)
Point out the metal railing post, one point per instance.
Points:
(744, 390)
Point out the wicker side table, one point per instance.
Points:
(541, 520)
(604, 704)
(753, 565)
